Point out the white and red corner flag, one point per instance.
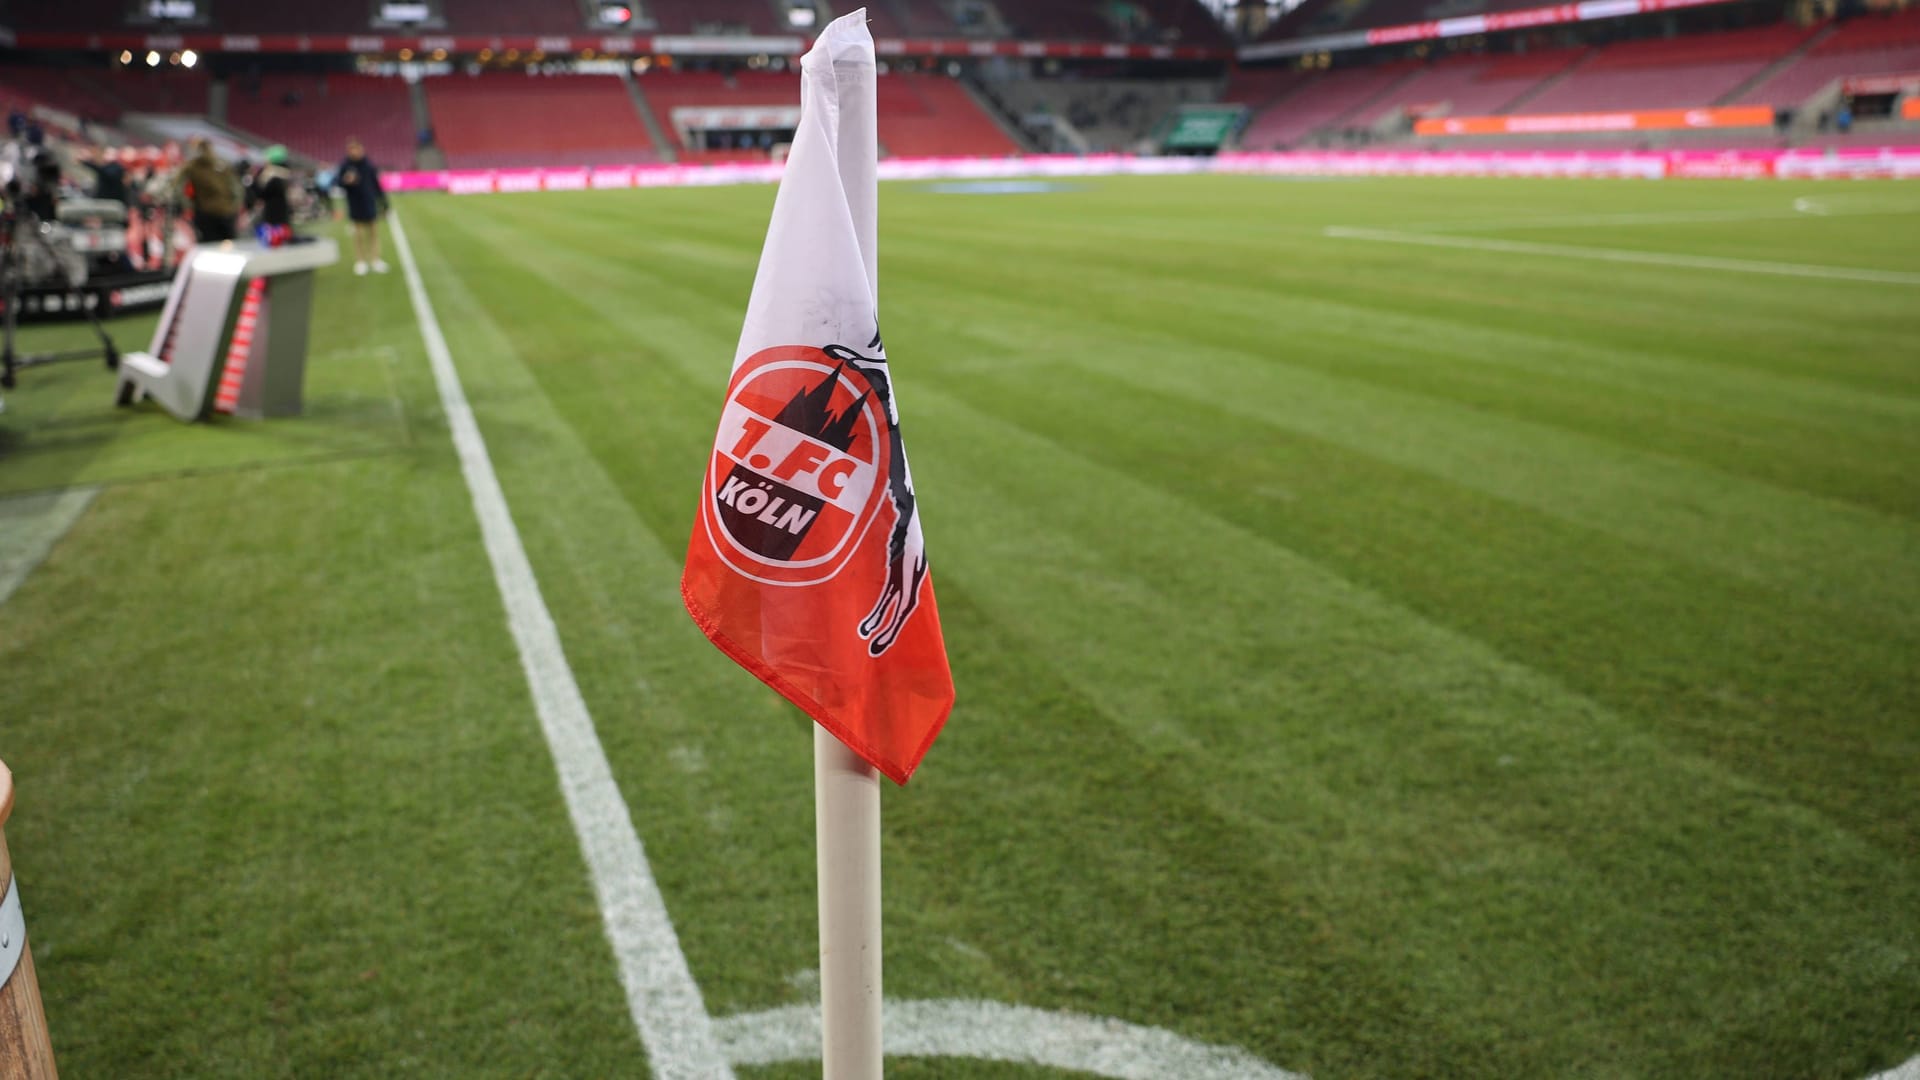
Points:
(807, 565)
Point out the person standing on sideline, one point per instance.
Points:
(209, 188)
(272, 194)
(109, 176)
(366, 201)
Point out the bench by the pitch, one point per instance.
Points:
(215, 315)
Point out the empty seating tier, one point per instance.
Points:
(314, 115)
(1668, 73)
(502, 120)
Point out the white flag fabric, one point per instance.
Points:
(807, 565)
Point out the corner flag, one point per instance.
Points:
(807, 565)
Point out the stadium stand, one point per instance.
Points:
(1183, 21)
(881, 20)
(1401, 12)
(919, 114)
(26, 85)
(1676, 72)
(1869, 45)
(1110, 114)
(102, 95)
(1331, 16)
(315, 114)
(282, 17)
(1257, 88)
(153, 90)
(66, 15)
(503, 120)
(1060, 21)
(927, 115)
(1779, 65)
(666, 91)
(715, 17)
(513, 16)
(1323, 102)
(1472, 84)
(1313, 17)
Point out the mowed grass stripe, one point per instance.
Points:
(1724, 665)
(1748, 535)
(1695, 319)
(695, 745)
(1750, 528)
(284, 810)
(1810, 664)
(1293, 700)
(925, 960)
(752, 868)
(1502, 1035)
(1213, 312)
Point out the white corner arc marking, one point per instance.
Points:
(991, 1031)
(1906, 1070)
(662, 997)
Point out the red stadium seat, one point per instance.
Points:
(314, 115)
(1471, 84)
(500, 120)
(1663, 73)
(1869, 45)
(1326, 100)
(920, 115)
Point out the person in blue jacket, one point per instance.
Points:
(366, 202)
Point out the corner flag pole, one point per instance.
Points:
(846, 804)
(828, 601)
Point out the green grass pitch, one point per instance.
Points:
(1393, 660)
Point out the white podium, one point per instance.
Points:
(217, 317)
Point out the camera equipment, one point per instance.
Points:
(31, 252)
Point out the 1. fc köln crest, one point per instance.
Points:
(807, 563)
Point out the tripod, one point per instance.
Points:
(12, 277)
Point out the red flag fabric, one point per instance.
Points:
(807, 564)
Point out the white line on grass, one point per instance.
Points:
(682, 1040)
(1907, 1070)
(1649, 258)
(990, 1031)
(1591, 221)
(661, 994)
(29, 527)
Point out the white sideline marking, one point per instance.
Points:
(661, 994)
(990, 1031)
(29, 527)
(1906, 1070)
(1650, 258)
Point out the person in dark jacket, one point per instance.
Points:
(270, 198)
(273, 188)
(366, 201)
(109, 177)
(209, 187)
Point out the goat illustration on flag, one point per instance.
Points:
(807, 564)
